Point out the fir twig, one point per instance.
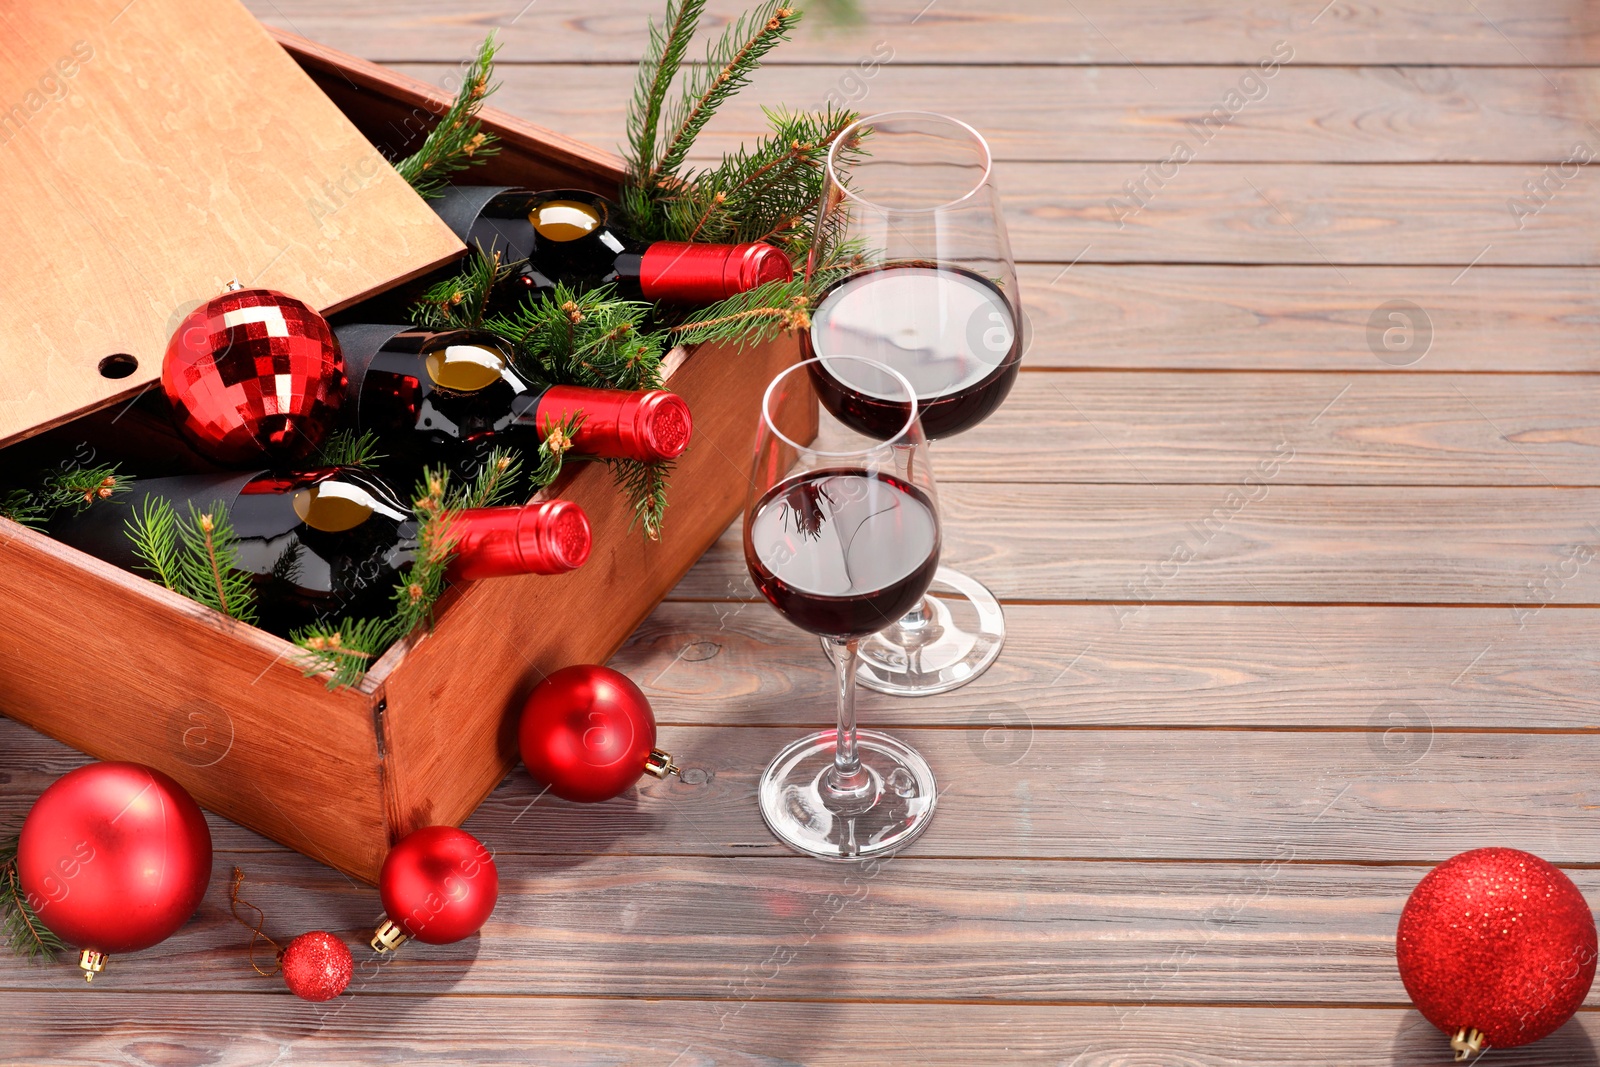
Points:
(423, 582)
(459, 140)
(347, 448)
(662, 59)
(153, 530)
(82, 486)
(728, 66)
(207, 565)
(344, 650)
(495, 482)
(646, 485)
(459, 303)
(29, 937)
(751, 317)
(23, 506)
(593, 339)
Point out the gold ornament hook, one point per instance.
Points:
(1467, 1042)
(92, 962)
(389, 936)
(659, 764)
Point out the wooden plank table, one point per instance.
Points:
(1183, 811)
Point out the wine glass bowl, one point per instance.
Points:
(915, 273)
(843, 541)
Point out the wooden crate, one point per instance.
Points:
(121, 668)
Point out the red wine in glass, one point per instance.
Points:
(843, 552)
(950, 331)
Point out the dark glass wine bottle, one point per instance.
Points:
(327, 543)
(572, 236)
(448, 396)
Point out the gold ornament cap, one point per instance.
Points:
(388, 937)
(1468, 1042)
(659, 764)
(92, 962)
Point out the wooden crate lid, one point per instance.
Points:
(149, 152)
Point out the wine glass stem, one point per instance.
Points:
(847, 777)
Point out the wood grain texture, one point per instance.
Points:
(1314, 214)
(1299, 113)
(780, 927)
(1131, 544)
(124, 669)
(971, 32)
(1066, 665)
(134, 172)
(1366, 429)
(1215, 317)
(1096, 794)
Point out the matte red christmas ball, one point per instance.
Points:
(438, 885)
(1496, 948)
(254, 376)
(114, 857)
(588, 733)
(316, 966)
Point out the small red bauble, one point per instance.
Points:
(254, 376)
(1496, 948)
(316, 966)
(588, 733)
(438, 885)
(114, 857)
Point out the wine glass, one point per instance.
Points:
(914, 264)
(843, 541)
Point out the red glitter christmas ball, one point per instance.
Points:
(588, 733)
(254, 376)
(317, 966)
(1497, 942)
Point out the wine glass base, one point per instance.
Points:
(962, 633)
(894, 805)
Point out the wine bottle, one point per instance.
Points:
(326, 543)
(449, 396)
(572, 236)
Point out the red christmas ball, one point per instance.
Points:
(254, 376)
(1499, 942)
(588, 733)
(114, 857)
(438, 885)
(316, 966)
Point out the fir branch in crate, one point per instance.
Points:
(62, 490)
(459, 140)
(459, 303)
(592, 338)
(347, 448)
(765, 193)
(196, 557)
(28, 937)
(344, 650)
(662, 136)
(646, 485)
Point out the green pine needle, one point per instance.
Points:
(459, 140)
(646, 485)
(728, 66)
(29, 937)
(344, 650)
(153, 529)
(459, 303)
(208, 564)
(347, 448)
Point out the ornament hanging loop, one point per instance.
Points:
(1467, 1042)
(659, 765)
(388, 937)
(92, 963)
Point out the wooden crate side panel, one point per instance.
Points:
(396, 111)
(120, 668)
(453, 700)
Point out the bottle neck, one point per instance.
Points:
(549, 537)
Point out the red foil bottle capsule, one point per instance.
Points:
(681, 273)
(646, 426)
(549, 537)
